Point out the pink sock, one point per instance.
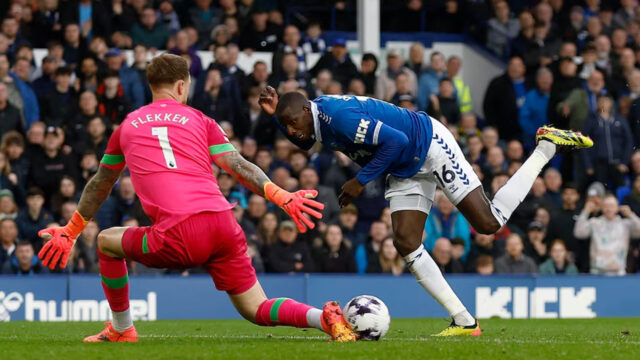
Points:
(115, 281)
(283, 311)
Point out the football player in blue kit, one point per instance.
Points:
(418, 154)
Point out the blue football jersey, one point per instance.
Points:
(379, 136)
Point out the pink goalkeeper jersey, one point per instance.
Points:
(168, 148)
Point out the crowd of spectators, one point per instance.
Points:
(569, 63)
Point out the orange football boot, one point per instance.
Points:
(334, 323)
(109, 334)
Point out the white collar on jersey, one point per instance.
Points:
(316, 121)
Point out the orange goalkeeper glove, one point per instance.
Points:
(296, 204)
(62, 239)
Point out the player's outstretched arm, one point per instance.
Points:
(97, 191)
(296, 205)
(56, 250)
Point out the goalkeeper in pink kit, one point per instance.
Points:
(168, 147)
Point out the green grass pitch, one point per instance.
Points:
(407, 339)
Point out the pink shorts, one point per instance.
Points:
(211, 239)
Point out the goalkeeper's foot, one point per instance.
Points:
(459, 330)
(334, 323)
(565, 140)
(109, 334)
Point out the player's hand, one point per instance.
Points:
(301, 203)
(268, 100)
(296, 204)
(625, 210)
(350, 190)
(589, 207)
(623, 168)
(56, 250)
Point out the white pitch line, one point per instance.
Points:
(425, 339)
(429, 339)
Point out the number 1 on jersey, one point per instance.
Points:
(163, 138)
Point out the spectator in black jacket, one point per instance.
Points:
(112, 103)
(445, 106)
(47, 23)
(88, 75)
(50, 164)
(11, 30)
(564, 219)
(338, 62)
(334, 256)
(60, 105)
(368, 66)
(9, 114)
(215, 102)
(24, 261)
(408, 18)
(619, 81)
(260, 34)
(535, 246)
(542, 47)
(483, 245)
(74, 44)
(44, 83)
(88, 106)
(8, 238)
(34, 217)
(563, 84)
(504, 97)
(287, 255)
(607, 160)
(123, 16)
(14, 149)
(95, 139)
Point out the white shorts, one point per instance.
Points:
(445, 167)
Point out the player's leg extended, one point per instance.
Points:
(408, 226)
(254, 306)
(232, 272)
(488, 216)
(115, 282)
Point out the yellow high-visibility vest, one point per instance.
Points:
(464, 95)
